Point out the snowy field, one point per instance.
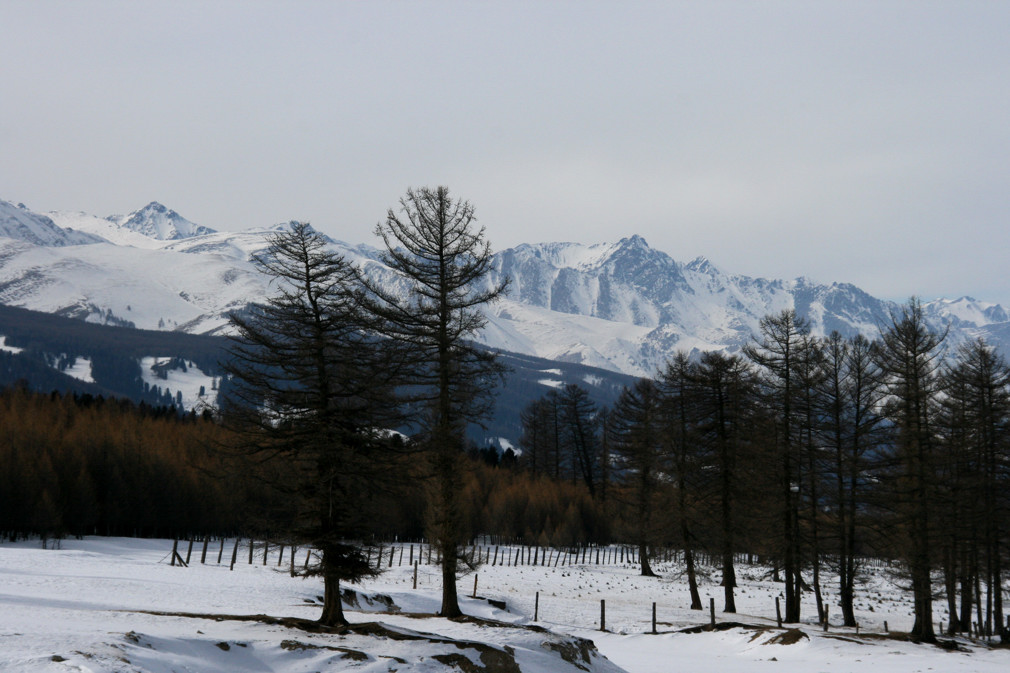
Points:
(116, 604)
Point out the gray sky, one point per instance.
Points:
(863, 142)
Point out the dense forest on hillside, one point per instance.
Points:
(51, 342)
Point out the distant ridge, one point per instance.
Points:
(622, 306)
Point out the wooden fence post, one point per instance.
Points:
(189, 551)
(654, 616)
(220, 552)
(474, 586)
(711, 609)
(234, 554)
(603, 614)
(536, 607)
(203, 554)
(252, 546)
(415, 574)
(778, 612)
(175, 549)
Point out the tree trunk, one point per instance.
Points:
(728, 581)
(643, 559)
(692, 579)
(333, 609)
(950, 587)
(450, 598)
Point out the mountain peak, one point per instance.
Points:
(633, 241)
(159, 222)
(701, 264)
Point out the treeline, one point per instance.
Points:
(812, 452)
(77, 465)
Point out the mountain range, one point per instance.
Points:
(621, 306)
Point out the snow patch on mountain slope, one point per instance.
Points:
(80, 370)
(8, 349)
(581, 339)
(187, 382)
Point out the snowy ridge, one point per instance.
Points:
(19, 223)
(621, 306)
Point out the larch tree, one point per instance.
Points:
(636, 424)
(435, 247)
(975, 411)
(779, 354)
(680, 403)
(909, 358)
(579, 418)
(310, 391)
(726, 394)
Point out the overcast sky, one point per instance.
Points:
(863, 142)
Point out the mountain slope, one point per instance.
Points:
(19, 223)
(621, 306)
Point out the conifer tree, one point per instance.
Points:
(637, 427)
(779, 354)
(909, 358)
(312, 390)
(434, 245)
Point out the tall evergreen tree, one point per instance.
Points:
(310, 391)
(779, 354)
(850, 396)
(726, 392)
(434, 245)
(909, 359)
(974, 416)
(680, 402)
(636, 424)
(579, 419)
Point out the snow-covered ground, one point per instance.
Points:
(115, 604)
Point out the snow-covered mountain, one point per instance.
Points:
(621, 306)
(20, 224)
(156, 221)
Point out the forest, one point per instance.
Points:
(810, 453)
